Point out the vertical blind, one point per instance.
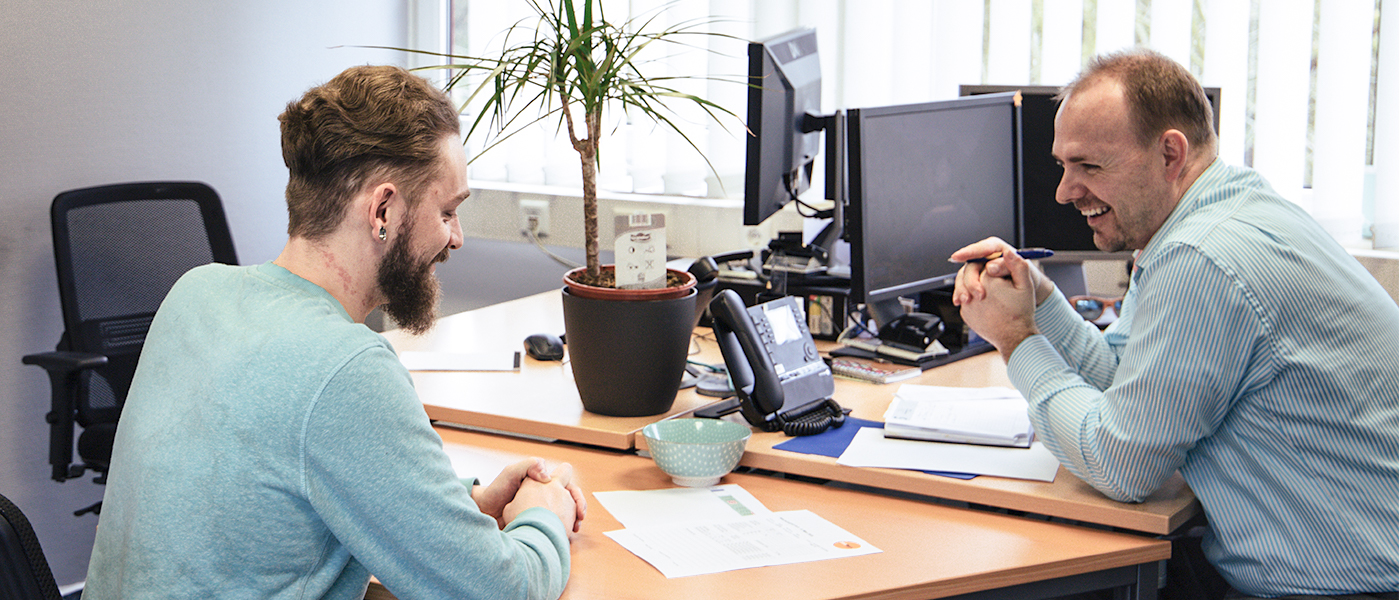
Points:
(1308, 93)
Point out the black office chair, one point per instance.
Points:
(118, 249)
(24, 573)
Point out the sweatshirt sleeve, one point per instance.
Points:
(375, 472)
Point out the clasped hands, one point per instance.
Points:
(998, 298)
(525, 485)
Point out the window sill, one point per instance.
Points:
(577, 192)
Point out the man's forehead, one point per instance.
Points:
(1095, 114)
(1095, 101)
(455, 176)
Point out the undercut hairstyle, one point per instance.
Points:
(368, 125)
(1161, 95)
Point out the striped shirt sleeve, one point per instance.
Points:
(1194, 330)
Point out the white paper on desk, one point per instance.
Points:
(676, 505)
(699, 548)
(871, 448)
(459, 361)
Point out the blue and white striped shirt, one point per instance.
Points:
(1259, 359)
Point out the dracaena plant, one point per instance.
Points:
(574, 64)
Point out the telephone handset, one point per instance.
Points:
(779, 378)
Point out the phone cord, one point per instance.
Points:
(815, 421)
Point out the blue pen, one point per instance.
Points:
(1026, 253)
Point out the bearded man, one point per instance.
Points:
(272, 446)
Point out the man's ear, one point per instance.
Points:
(1175, 150)
(383, 207)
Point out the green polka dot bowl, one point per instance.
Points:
(696, 452)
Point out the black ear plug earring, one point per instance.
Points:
(383, 234)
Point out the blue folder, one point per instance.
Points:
(833, 442)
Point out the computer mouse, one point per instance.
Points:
(544, 346)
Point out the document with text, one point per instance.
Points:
(762, 540)
(675, 505)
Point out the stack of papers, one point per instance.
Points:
(684, 532)
(990, 426)
(871, 448)
(994, 416)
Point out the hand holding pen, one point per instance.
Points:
(976, 258)
(1026, 253)
(997, 292)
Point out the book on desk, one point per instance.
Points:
(990, 416)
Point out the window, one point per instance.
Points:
(1301, 82)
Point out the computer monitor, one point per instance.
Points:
(785, 87)
(1046, 223)
(925, 180)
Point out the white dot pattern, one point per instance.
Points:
(696, 451)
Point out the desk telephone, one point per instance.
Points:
(781, 381)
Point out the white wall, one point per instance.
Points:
(128, 90)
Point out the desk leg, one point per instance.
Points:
(1148, 576)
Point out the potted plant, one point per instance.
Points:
(627, 346)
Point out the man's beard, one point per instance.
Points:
(411, 289)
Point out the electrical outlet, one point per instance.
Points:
(534, 216)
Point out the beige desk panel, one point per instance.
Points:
(929, 550)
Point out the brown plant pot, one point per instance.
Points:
(612, 293)
(627, 348)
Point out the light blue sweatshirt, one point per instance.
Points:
(273, 448)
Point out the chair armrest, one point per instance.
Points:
(64, 363)
(63, 368)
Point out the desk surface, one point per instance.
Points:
(541, 400)
(928, 550)
(1067, 497)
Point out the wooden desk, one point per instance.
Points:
(541, 400)
(1067, 497)
(929, 550)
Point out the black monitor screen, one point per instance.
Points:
(1045, 222)
(926, 180)
(785, 85)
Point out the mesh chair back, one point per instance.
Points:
(119, 249)
(24, 572)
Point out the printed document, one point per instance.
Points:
(781, 538)
(673, 505)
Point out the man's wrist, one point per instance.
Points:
(1044, 291)
(1008, 348)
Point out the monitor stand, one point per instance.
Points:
(824, 255)
(788, 254)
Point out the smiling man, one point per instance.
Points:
(272, 446)
(1253, 354)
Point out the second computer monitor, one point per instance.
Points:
(785, 86)
(925, 180)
